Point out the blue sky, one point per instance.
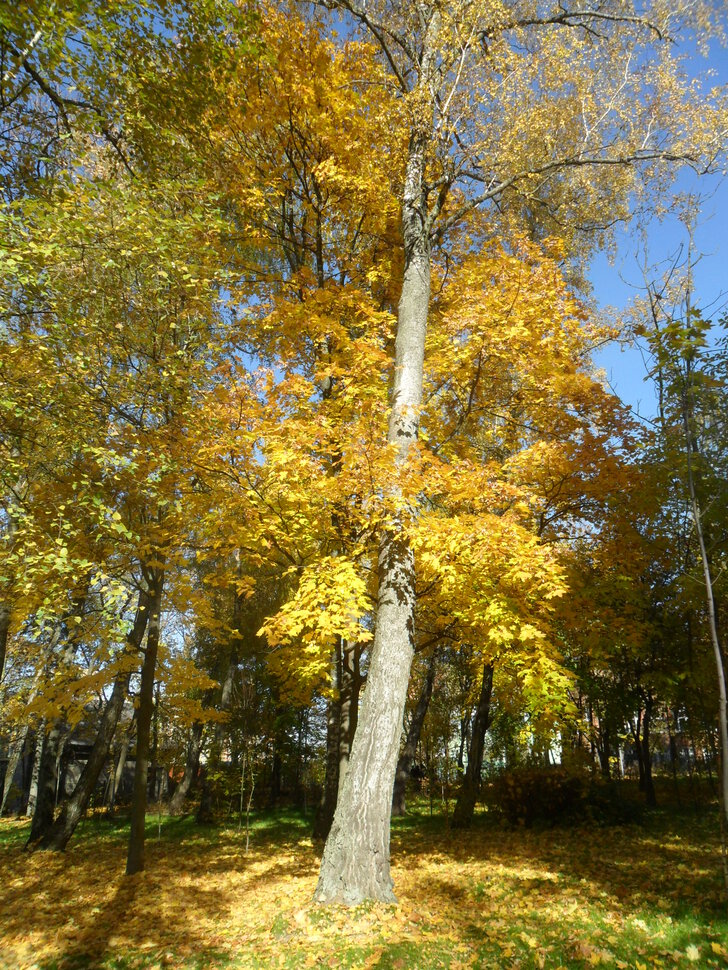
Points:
(616, 282)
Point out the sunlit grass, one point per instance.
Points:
(637, 897)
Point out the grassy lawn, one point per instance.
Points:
(629, 897)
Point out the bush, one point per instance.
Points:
(556, 796)
(547, 795)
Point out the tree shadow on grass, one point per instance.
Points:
(670, 866)
(196, 897)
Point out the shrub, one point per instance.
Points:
(547, 795)
(555, 795)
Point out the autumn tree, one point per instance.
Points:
(688, 445)
(560, 149)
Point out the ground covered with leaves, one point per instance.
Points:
(638, 896)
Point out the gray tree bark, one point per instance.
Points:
(37, 758)
(355, 862)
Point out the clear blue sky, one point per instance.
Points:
(616, 283)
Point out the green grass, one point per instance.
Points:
(638, 896)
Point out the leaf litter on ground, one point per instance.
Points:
(492, 897)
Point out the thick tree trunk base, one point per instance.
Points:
(354, 878)
(462, 817)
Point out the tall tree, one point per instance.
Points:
(468, 145)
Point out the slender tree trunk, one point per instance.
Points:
(672, 717)
(145, 709)
(342, 714)
(329, 795)
(636, 729)
(40, 737)
(407, 755)
(464, 732)
(57, 837)
(4, 630)
(192, 767)
(350, 683)
(604, 748)
(117, 772)
(153, 789)
(470, 786)
(355, 862)
(713, 625)
(205, 814)
(649, 785)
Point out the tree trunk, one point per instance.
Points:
(464, 731)
(349, 686)
(45, 802)
(713, 625)
(118, 771)
(407, 755)
(15, 754)
(636, 729)
(205, 814)
(4, 630)
(649, 785)
(329, 795)
(470, 787)
(192, 767)
(355, 862)
(145, 710)
(153, 792)
(57, 837)
(37, 758)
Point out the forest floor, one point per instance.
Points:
(637, 896)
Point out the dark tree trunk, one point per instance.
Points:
(205, 814)
(342, 716)
(192, 767)
(4, 630)
(470, 787)
(153, 792)
(45, 801)
(145, 710)
(407, 755)
(57, 837)
(117, 773)
(17, 748)
(349, 687)
(274, 789)
(637, 736)
(604, 749)
(327, 806)
(649, 786)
